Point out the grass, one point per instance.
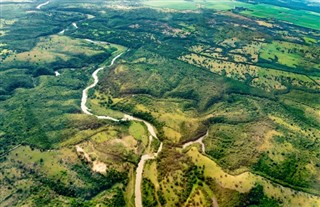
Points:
(297, 17)
(99, 135)
(150, 172)
(97, 104)
(122, 143)
(138, 131)
(47, 162)
(306, 18)
(66, 169)
(272, 51)
(257, 76)
(310, 40)
(188, 5)
(179, 4)
(105, 135)
(289, 54)
(244, 182)
(56, 48)
(255, 137)
(223, 5)
(303, 97)
(199, 197)
(235, 153)
(129, 193)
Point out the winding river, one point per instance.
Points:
(43, 4)
(145, 157)
(199, 141)
(126, 117)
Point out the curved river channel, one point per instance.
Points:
(151, 129)
(145, 157)
(126, 117)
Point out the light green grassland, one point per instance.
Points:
(271, 51)
(310, 40)
(47, 163)
(178, 4)
(298, 17)
(139, 132)
(192, 5)
(245, 181)
(51, 48)
(289, 54)
(94, 104)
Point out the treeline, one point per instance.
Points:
(39, 68)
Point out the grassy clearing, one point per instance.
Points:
(99, 104)
(57, 48)
(298, 17)
(244, 182)
(150, 185)
(47, 163)
(192, 5)
(303, 97)
(99, 135)
(114, 146)
(290, 54)
(178, 124)
(139, 132)
(150, 172)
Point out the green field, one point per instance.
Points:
(297, 17)
(192, 5)
(301, 18)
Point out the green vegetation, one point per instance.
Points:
(149, 199)
(138, 131)
(307, 19)
(246, 73)
(301, 18)
(292, 55)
